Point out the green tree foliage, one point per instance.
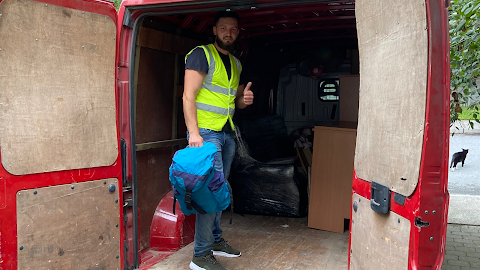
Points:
(117, 4)
(464, 17)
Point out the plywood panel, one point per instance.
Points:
(379, 241)
(57, 81)
(154, 118)
(155, 90)
(393, 47)
(153, 184)
(61, 227)
(331, 180)
(167, 42)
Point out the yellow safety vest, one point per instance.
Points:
(216, 99)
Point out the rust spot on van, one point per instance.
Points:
(67, 13)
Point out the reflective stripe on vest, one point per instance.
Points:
(216, 98)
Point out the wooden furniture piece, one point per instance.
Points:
(349, 92)
(332, 176)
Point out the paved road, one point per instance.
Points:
(462, 250)
(465, 180)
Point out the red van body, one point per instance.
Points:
(69, 176)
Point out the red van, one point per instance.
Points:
(91, 115)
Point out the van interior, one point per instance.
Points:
(292, 173)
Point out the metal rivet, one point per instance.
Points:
(434, 212)
(352, 221)
(113, 38)
(0, 15)
(431, 239)
(83, 12)
(118, 257)
(253, 7)
(19, 194)
(426, 212)
(72, 186)
(116, 200)
(46, 5)
(104, 182)
(111, 188)
(228, 9)
(116, 225)
(35, 192)
(36, 39)
(351, 251)
(21, 247)
(83, 47)
(355, 206)
(398, 220)
(359, 199)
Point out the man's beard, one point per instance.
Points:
(224, 46)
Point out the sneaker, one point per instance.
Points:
(206, 262)
(225, 250)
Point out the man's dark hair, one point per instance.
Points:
(226, 14)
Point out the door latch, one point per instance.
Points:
(128, 202)
(420, 223)
(380, 198)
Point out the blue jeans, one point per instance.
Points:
(207, 226)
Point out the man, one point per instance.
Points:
(211, 93)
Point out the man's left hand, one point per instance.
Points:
(248, 95)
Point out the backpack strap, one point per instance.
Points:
(191, 203)
(174, 204)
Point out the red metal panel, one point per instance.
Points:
(300, 20)
(427, 244)
(12, 184)
(301, 29)
(170, 231)
(152, 2)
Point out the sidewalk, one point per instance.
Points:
(462, 126)
(462, 250)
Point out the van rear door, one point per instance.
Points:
(399, 196)
(61, 171)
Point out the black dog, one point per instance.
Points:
(458, 157)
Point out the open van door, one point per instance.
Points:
(61, 173)
(400, 197)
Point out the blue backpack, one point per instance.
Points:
(197, 186)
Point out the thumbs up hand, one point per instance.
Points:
(248, 95)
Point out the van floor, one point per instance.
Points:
(268, 242)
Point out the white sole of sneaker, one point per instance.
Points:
(224, 254)
(193, 266)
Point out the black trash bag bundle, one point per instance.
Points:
(270, 188)
(266, 137)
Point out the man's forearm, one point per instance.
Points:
(190, 113)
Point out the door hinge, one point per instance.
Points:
(128, 202)
(380, 198)
(399, 198)
(127, 189)
(420, 223)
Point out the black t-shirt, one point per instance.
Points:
(198, 61)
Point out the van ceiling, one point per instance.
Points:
(283, 27)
